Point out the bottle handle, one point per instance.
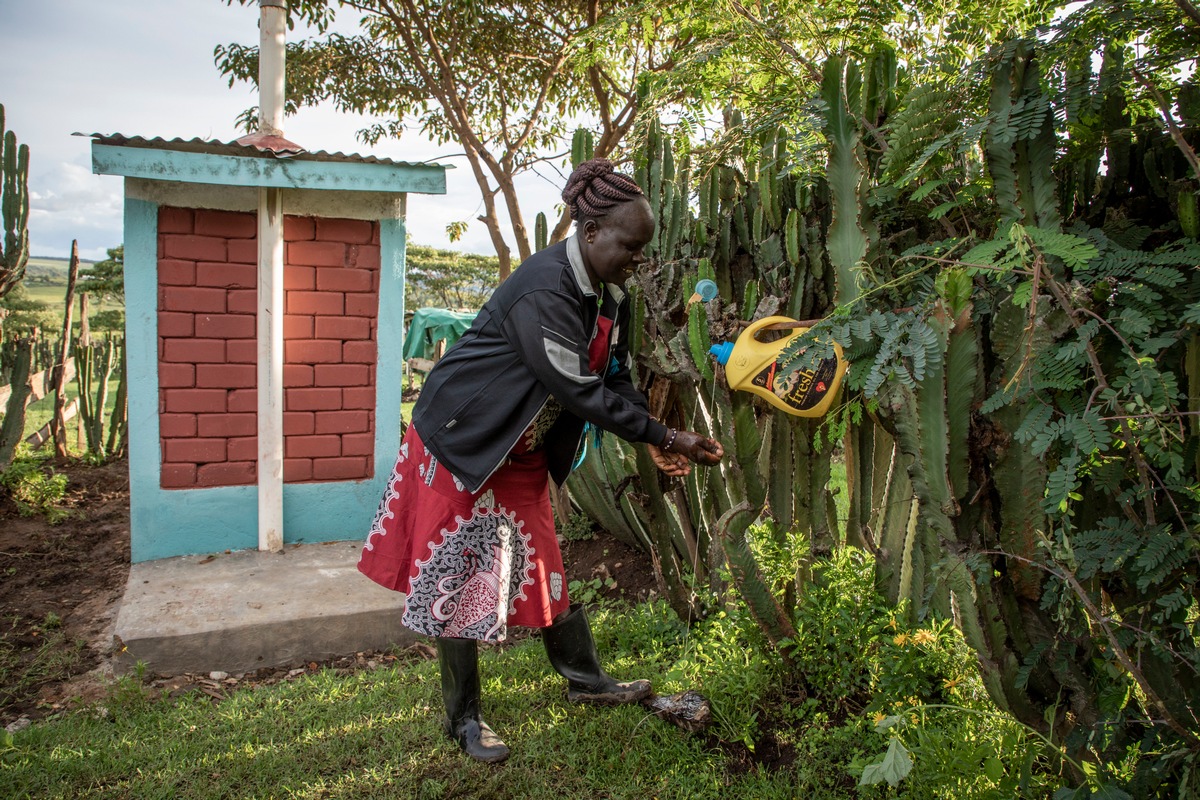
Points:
(773, 323)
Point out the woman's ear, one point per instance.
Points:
(589, 230)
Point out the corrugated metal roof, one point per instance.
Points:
(277, 148)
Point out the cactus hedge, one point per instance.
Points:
(1020, 427)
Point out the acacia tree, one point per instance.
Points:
(106, 279)
(503, 80)
(447, 278)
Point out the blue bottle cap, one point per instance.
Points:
(722, 352)
(706, 289)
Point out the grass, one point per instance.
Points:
(53, 295)
(55, 659)
(37, 414)
(375, 734)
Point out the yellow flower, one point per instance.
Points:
(924, 637)
(901, 639)
(892, 623)
(879, 717)
(950, 683)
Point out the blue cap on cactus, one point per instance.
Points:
(722, 352)
(706, 289)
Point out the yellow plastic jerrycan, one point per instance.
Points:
(752, 365)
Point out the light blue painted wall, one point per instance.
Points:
(166, 523)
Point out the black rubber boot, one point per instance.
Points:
(572, 653)
(459, 659)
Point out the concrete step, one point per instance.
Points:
(241, 611)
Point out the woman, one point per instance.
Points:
(465, 528)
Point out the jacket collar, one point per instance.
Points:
(575, 256)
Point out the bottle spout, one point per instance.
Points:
(722, 352)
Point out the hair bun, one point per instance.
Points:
(582, 177)
(595, 187)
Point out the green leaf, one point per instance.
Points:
(894, 767)
(1046, 436)
(1023, 294)
(1034, 423)
(955, 288)
(1075, 251)
(1061, 486)
(1090, 433)
(1192, 315)
(1065, 793)
(922, 191)
(942, 209)
(887, 722)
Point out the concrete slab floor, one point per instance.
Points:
(242, 611)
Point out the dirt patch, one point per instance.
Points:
(609, 569)
(61, 588)
(61, 585)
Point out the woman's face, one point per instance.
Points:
(613, 245)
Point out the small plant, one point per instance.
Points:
(590, 592)
(726, 660)
(34, 489)
(579, 528)
(129, 693)
(840, 622)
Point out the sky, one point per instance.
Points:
(144, 68)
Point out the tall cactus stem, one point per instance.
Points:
(14, 208)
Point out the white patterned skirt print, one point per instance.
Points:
(469, 565)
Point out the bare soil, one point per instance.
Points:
(61, 585)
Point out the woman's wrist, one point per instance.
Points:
(669, 439)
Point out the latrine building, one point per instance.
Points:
(194, 303)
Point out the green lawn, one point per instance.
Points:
(375, 734)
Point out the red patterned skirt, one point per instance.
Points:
(469, 565)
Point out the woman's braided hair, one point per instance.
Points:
(595, 187)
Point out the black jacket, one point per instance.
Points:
(530, 342)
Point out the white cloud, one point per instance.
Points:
(132, 67)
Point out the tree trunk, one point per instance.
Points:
(489, 217)
(58, 425)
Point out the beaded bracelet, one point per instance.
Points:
(670, 439)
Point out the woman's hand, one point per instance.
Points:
(679, 447)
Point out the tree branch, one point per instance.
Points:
(1189, 10)
(1172, 127)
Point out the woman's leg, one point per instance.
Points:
(459, 660)
(572, 653)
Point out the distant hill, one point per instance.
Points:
(48, 270)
